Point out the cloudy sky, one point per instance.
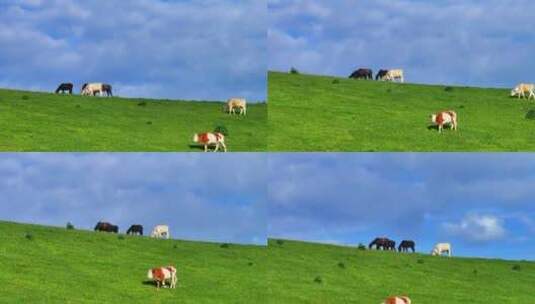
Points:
(473, 42)
(481, 203)
(202, 49)
(201, 197)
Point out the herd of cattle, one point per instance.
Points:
(159, 275)
(159, 231)
(206, 139)
(383, 75)
(384, 243)
(440, 119)
(88, 89)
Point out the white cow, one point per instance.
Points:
(397, 300)
(90, 89)
(161, 275)
(523, 88)
(393, 75)
(444, 118)
(239, 103)
(441, 248)
(210, 139)
(160, 232)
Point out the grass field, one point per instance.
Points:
(31, 121)
(313, 273)
(55, 265)
(318, 113)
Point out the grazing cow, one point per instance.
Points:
(362, 74)
(393, 75)
(210, 139)
(444, 118)
(91, 89)
(106, 227)
(160, 232)
(239, 103)
(160, 275)
(135, 230)
(106, 88)
(65, 87)
(382, 243)
(441, 248)
(391, 245)
(523, 88)
(381, 74)
(397, 300)
(405, 245)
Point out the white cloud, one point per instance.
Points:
(478, 228)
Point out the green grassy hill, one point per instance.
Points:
(56, 265)
(313, 273)
(317, 113)
(31, 121)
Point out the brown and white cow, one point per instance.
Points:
(239, 103)
(210, 139)
(444, 118)
(397, 300)
(161, 275)
(523, 88)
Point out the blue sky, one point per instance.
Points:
(481, 203)
(204, 50)
(479, 43)
(200, 196)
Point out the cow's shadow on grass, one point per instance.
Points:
(149, 283)
(201, 148)
(196, 147)
(432, 127)
(153, 284)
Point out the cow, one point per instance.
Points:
(160, 232)
(106, 227)
(391, 245)
(382, 243)
(91, 89)
(381, 74)
(523, 88)
(135, 230)
(405, 245)
(239, 103)
(397, 300)
(210, 139)
(161, 275)
(393, 75)
(106, 88)
(362, 74)
(65, 87)
(444, 118)
(441, 248)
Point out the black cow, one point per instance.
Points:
(362, 74)
(381, 74)
(405, 245)
(383, 243)
(391, 245)
(65, 87)
(135, 229)
(106, 227)
(106, 88)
